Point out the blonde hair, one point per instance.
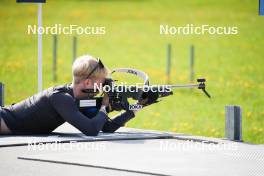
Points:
(84, 65)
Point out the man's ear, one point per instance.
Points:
(88, 82)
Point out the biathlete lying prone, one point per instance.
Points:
(45, 111)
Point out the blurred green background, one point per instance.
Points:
(232, 64)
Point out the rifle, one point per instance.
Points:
(145, 94)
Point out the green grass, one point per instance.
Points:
(233, 65)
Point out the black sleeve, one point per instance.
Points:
(66, 107)
(113, 124)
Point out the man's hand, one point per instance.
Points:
(142, 101)
(105, 101)
(148, 98)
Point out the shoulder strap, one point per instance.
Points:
(62, 88)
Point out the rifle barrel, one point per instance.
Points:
(182, 86)
(171, 86)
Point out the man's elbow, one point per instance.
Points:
(108, 130)
(91, 132)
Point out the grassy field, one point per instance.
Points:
(233, 64)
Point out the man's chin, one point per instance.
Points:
(91, 95)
